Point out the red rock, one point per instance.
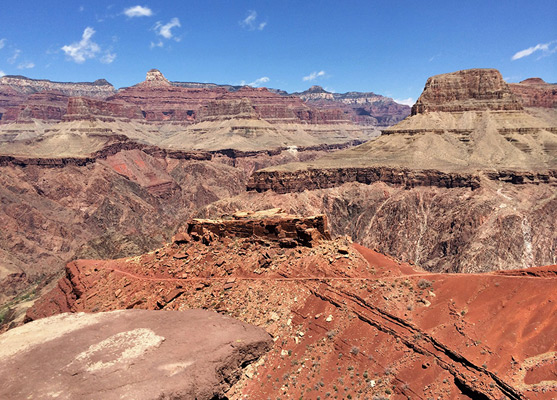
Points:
(156, 99)
(361, 108)
(46, 106)
(468, 90)
(390, 328)
(534, 92)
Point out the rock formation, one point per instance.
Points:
(463, 123)
(461, 159)
(194, 354)
(23, 99)
(21, 84)
(468, 90)
(43, 106)
(361, 108)
(159, 100)
(534, 92)
(346, 320)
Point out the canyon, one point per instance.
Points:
(470, 169)
(407, 260)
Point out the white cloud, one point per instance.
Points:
(138, 11)
(2, 73)
(84, 49)
(546, 48)
(407, 102)
(27, 65)
(108, 57)
(158, 44)
(250, 22)
(2, 43)
(257, 82)
(15, 56)
(313, 75)
(166, 30)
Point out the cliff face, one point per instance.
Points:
(159, 100)
(24, 99)
(332, 306)
(534, 92)
(462, 159)
(468, 90)
(81, 108)
(97, 89)
(361, 108)
(442, 229)
(45, 106)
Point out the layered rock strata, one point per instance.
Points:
(464, 126)
(23, 99)
(271, 225)
(194, 354)
(535, 92)
(468, 90)
(345, 319)
(159, 100)
(360, 108)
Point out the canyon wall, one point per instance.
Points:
(468, 90)
(360, 107)
(534, 92)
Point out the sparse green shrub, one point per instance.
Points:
(424, 284)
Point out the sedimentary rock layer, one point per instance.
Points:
(361, 108)
(468, 90)
(534, 92)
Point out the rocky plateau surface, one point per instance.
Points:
(346, 321)
(133, 354)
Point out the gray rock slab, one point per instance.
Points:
(127, 354)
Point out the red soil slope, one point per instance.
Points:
(347, 322)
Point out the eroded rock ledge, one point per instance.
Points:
(312, 179)
(270, 225)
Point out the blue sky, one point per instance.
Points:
(389, 47)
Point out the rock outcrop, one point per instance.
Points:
(535, 92)
(459, 158)
(193, 354)
(345, 319)
(21, 84)
(468, 90)
(360, 108)
(498, 226)
(269, 225)
(45, 106)
(24, 99)
(159, 100)
(465, 124)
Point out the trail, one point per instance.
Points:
(311, 278)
